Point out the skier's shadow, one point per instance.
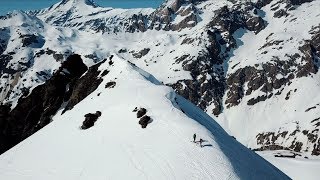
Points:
(207, 145)
(204, 145)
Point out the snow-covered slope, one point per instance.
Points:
(116, 147)
(250, 65)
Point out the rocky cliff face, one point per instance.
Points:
(68, 86)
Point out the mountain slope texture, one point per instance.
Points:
(239, 74)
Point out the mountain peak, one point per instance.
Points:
(75, 3)
(87, 2)
(176, 4)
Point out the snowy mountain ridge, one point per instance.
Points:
(117, 143)
(267, 98)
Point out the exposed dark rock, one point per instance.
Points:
(144, 121)
(315, 120)
(122, 51)
(135, 109)
(31, 39)
(94, 57)
(292, 155)
(182, 58)
(312, 137)
(110, 84)
(299, 2)
(4, 61)
(271, 147)
(275, 140)
(141, 112)
(56, 56)
(207, 84)
(187, 22)
(280, 13)
(310, 66)
(90, 119)
(35, 111)
(84, 86)
(262, 3)
(288, 95)
(254, 101)
(310, 108)
(296, 146)
(316, 148)
(141, 53)
(187, 41)
(105, 72)
(255, 24)
(267, 79)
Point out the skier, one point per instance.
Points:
(194, 137)
(201, 140)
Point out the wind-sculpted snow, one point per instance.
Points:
(116, 143)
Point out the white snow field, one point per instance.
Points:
(116, 147)
(297, 168)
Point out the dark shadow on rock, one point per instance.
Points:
(84, 86)
(34, 111)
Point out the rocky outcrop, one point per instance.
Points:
(141, 53)
(31, 39)
(299, 2)
(90, 119)
(141, 112)
(57, 56)
(144, 121)
(208, 83)
(110, 84)
(4, 38)
(274, 75)
(35, 109)
(82, 87)
(278, 140)
(206, 87)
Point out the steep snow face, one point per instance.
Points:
(117, 143)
